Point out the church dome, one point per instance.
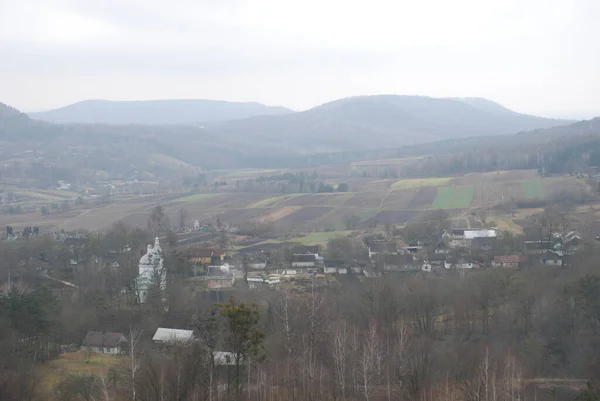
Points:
(145, 260)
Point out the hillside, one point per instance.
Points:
(384, 121)
(155, 112)
(340, 131)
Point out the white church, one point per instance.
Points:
(151, 270)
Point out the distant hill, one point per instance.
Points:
(384, 121)
(339, 131)
(155, 112)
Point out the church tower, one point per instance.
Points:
(151, 273)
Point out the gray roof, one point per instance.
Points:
(103, 340)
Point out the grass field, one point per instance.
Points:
(458, 197)
(533, 189)
(421, 182)
(77, 363)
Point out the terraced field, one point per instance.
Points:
(373, 200)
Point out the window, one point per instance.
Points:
(108, 350)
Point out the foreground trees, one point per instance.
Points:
(483, 336)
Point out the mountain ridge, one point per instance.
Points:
(155, 112)
(380, 121)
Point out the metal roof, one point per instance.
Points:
(172, 335)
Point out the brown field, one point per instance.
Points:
(366, 199)
(371, 200)
(276, 214)
(317, 200)
(399, 199)
(304, 215)
(424, 198)
(392, 216)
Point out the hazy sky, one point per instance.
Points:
(534, 56)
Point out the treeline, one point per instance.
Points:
(299, 182)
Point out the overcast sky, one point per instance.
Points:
(534, 56)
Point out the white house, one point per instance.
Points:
(105, 343)
(459, 265)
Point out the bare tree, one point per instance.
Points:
(370, 362)
(134, 344)
(182, 216)
(340, 358)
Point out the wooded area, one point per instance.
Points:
(454, 335)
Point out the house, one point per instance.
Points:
(258, 262)
(436, 259)
(303, 261)
(508, 261)
(460, 265)
(307, 250)
(220, 277)
(397, 263)
(382, 248)
(552, 258)
(166, 336)
(441, 246)
(462, 238)
(484, 243)
(356, 269)
(537, 247)
(371, 272)
(105, 343)
(205, 256)
(335, 266)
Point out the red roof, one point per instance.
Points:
(509, 259)
(205, 253)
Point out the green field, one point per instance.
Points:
(533, 189)
(321, 237)
(458, 197)
(420, 182)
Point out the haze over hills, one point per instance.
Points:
(382, 121)
(155, 112)
(336, 130)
